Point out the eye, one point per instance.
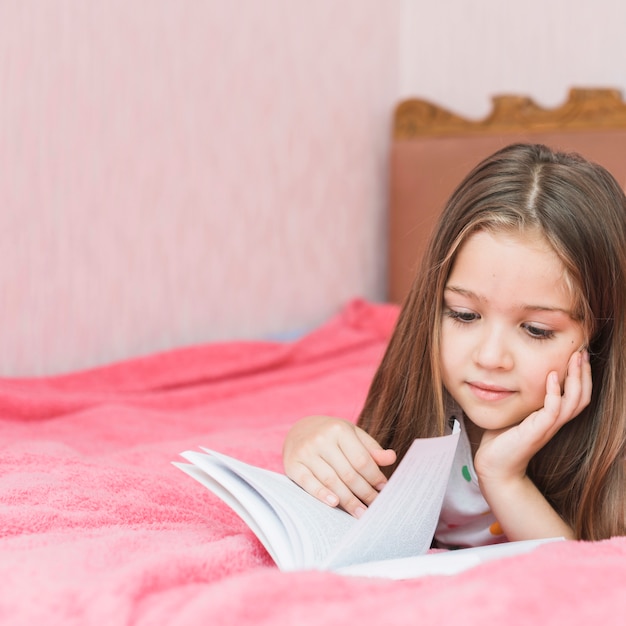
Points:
(538, 333)
(463, 317)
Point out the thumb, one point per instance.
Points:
(381, 456)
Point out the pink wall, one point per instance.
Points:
(180, 172)
(461, 53)
(174, 172)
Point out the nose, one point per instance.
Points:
(492, 350)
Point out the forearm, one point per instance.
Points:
(522, 510)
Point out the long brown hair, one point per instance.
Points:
(581, 211)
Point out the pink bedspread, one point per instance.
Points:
(99, 528)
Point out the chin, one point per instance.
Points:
(486, 422)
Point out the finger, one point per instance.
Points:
(304, 477)
(587, 382)
(326, 478)
(553, 399)
(382, 457)
(329, 486)
(540, 425)
(362, 461)
(577, 386)
(350, 467)
(336, 462)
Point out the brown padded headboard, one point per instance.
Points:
(433, 149)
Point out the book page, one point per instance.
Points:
(265, 523)
(443, 563)
(402, 519)
(308, 528)
(300, 532)
(316, 526)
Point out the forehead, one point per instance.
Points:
(511, 245)
(517, 266)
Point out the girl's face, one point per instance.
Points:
(507, 323)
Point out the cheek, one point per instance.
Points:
(446, 354)
(536, 382)
(538, 374)
(451, 357)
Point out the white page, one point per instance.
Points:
(402, 519)
(287, 519)
(257, 513)
(442, 563)
(319, 526)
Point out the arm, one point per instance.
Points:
(336, 461)
(523, 512)
(503, 456)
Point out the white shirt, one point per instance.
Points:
(465, 519)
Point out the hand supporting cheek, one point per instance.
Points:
(505, 454)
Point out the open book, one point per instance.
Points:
(392, 537)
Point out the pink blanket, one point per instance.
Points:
(97, 526)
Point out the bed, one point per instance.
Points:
(98, 526)
(433, 149)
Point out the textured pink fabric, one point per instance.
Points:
(97, 526)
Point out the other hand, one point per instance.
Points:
(336, 461)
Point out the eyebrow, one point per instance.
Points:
(525, 307)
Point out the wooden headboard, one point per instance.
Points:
(433, 149)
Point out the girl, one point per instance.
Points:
(515, 326)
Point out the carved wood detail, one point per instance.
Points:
(584, 109)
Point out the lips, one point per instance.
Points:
(489, 392)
